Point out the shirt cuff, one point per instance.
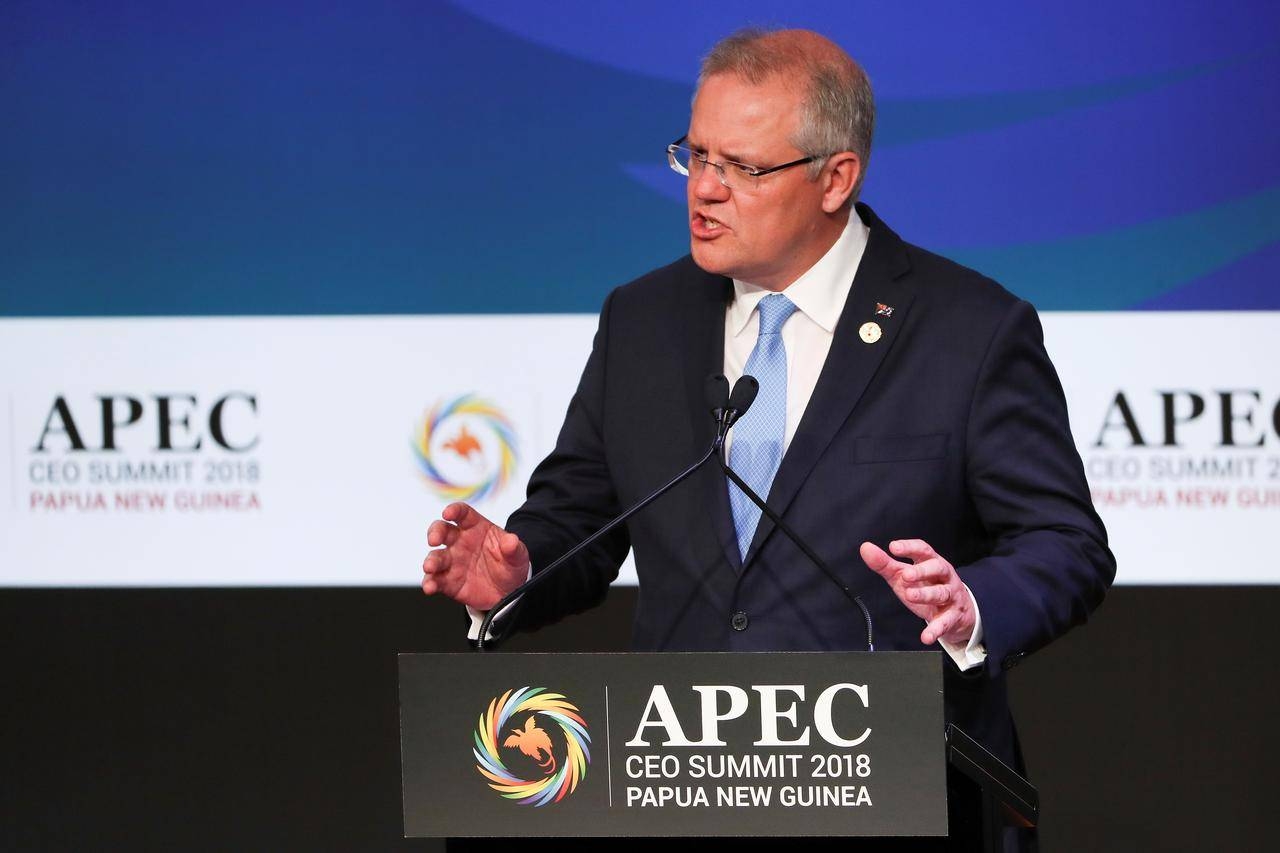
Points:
(477, 616)
(967, 656)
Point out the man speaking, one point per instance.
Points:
(909, 426)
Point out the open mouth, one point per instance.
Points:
(705, 226)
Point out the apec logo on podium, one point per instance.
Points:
(532, 746)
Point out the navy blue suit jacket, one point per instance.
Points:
(951, 428)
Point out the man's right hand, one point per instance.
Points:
(479, 562)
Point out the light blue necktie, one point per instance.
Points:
(756, 451)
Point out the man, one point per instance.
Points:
(906, 404)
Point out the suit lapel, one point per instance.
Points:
(850, 366)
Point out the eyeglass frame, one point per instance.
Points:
(749, 170)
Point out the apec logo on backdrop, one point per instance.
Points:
(465, 449)
(1191, 448)
(156, 452)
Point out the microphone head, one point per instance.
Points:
(717, 393)
(744, 394)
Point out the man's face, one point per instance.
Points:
(771, 233)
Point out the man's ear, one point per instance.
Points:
(841, 174)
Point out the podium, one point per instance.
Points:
(692, 745)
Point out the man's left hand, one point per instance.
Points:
(928, 586)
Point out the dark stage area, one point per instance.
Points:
(267, 718)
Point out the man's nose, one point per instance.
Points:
(707, 185)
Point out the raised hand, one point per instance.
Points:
(476, 562)
(928, 586)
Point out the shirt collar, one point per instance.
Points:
(820, 293)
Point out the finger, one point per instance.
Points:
(878, 561)
(915, 549)
(430, 583)
(938, 627)
(441, 533)
(930, 571)
(437, 562)
(936, 595)
(461, 514)
(511, 546)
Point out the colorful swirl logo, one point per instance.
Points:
(465, 449)
(525, 709)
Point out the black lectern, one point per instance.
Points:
(792, 744)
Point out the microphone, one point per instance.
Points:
(744, 394)
(727, 408)
(746, 398)
(722, 406)
(717, 396)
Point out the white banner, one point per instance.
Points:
(1175, 416)
(267, 451)
(314, 451)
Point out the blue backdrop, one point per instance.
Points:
(163, 158)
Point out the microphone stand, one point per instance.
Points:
(533, 582)
(725, 407)
(800, 543)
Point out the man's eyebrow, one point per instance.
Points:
(727, 156)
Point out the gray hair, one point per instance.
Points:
(838, 112)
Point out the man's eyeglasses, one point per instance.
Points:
(685, 161)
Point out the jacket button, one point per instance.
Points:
(739, 621)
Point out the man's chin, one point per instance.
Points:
(708, 259)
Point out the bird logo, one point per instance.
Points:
(538, 724)
(465, 449)
(464, 443)
(533, 742)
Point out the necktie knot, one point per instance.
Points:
(774, 310)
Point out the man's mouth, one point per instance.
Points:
(704, 226)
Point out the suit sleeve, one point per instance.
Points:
(571, 495)
(1049, 566)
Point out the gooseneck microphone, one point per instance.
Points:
(730, 407)
(744, 394)
(725, 408)
(717, 395)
